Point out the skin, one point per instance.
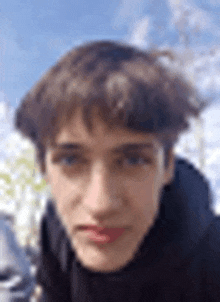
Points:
(103, 183)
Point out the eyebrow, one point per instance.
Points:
(68, 146)
(120, 149)
(133, 147)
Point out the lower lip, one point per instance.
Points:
(104, 236)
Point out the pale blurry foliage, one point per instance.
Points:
(21, 171)
(22, 189)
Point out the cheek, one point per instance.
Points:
(64, 193)
(144, 198)
(158, 186)
(62, 190)
(59, 185)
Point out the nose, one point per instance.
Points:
(100, 197)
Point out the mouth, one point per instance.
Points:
(102, 235)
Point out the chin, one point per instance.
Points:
(102, 259)
(102, 267)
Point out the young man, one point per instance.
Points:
(127, 221)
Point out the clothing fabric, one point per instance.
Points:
(16, 281)
(178, 260)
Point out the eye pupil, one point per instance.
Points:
(133, 160)
(69, 160)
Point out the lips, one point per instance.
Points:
(103, 235)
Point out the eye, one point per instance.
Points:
(135, 160)
(66, 160)
(69, 160)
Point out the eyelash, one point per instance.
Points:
(61, 159)
(144, 160)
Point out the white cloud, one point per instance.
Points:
(188, 14)
(128, 11)
(5, 109)
(140, 32)
(2, 96)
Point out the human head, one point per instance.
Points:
(130, 86)
(101, 97)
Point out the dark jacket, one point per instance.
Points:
(179, 260)
(16, 281)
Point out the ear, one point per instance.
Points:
(170, 169)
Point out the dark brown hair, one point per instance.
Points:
(131, 87)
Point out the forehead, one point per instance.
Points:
(101, 135)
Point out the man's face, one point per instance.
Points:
(108, 178)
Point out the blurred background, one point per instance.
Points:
(34, 34)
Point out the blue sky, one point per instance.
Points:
(33, 34)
